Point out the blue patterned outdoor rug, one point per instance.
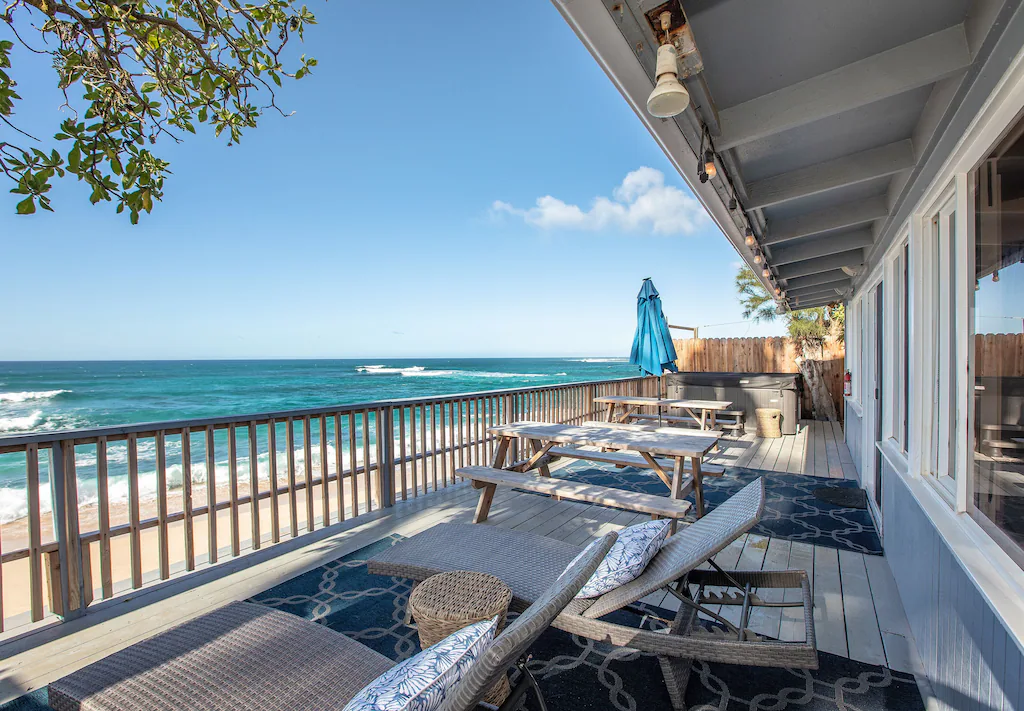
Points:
(576, 673)
(793, 510)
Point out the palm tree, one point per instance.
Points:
(809, 329)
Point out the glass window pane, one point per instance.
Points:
(998, 460)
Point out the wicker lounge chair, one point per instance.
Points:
(249, 656)
(528, 562)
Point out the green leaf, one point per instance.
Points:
(27, 206)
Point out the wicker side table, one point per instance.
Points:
(769, 422)
(447, 602)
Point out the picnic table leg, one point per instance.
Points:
(540, 449)
(653, 464)
(500, 453)
(713, 418)
(611, 412)
(698, 486)
(677, 487)
(483, 506)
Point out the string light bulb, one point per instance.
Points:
(750, 238)
(778, 291)
(977, 285)
(757, 259)
(709, 164)
(766, 272)
(995, 275)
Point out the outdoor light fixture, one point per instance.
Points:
(669, 97)
(766, 272)
(709, 164)
(757, 258)
(750, 238)
(995, 275)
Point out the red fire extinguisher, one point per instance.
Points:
(847, 384)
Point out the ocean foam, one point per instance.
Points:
(20, 424)
(31, 395)
(598, 360)
(419, 371)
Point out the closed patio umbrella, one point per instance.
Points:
(652, 349)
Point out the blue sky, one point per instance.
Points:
(395, 213)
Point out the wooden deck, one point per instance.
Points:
(858, 613)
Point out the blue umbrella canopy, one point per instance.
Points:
(652, 345)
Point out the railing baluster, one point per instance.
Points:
(35, 560)
(433, 443)
(103, 516)
(161, 507)
(367, 491)
(186, 507)
(401, 451)
(386, 480)
(254, 487)
(338, 461)
(211, 495)
(325, 473)
(275, 504)
(293, 509)
(352, 463)
(307, 469)
(135, 542)
(412, 440)
(236, 543)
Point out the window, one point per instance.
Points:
(997, 303)
(900, 363)
(941, 245)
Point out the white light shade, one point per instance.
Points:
(669, 97)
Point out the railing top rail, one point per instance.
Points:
(17, 442)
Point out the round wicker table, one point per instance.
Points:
(447, 602)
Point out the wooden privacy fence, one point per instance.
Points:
(761, 355)
(195, 493)
(999, 355)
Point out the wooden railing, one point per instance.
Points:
(123, 507)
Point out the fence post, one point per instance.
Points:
(64, 491)
(386, 434)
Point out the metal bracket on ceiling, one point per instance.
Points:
(678, 34)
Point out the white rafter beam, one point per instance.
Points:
(852, 258)
(874, 78)
(837, 173)
(813, 303)
(820, 247)
(852, 214)
(830, 289)
(815, 279)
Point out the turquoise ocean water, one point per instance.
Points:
(70, 395)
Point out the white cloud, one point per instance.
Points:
(641, 203)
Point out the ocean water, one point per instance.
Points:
(52, 396)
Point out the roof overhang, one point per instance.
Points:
(833, 116)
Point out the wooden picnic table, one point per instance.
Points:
(708, 409)
(651, 445)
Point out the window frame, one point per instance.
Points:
(896, 376)
(942, 407)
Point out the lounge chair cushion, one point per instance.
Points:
(627, 558)
(421, 682)
(239, 657)
(688, 548)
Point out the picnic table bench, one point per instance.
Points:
(488, 479)
(708, 409)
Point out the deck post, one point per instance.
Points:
(64, 490)
(386, 436)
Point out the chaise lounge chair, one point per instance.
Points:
(528, 562)
(248, 656)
